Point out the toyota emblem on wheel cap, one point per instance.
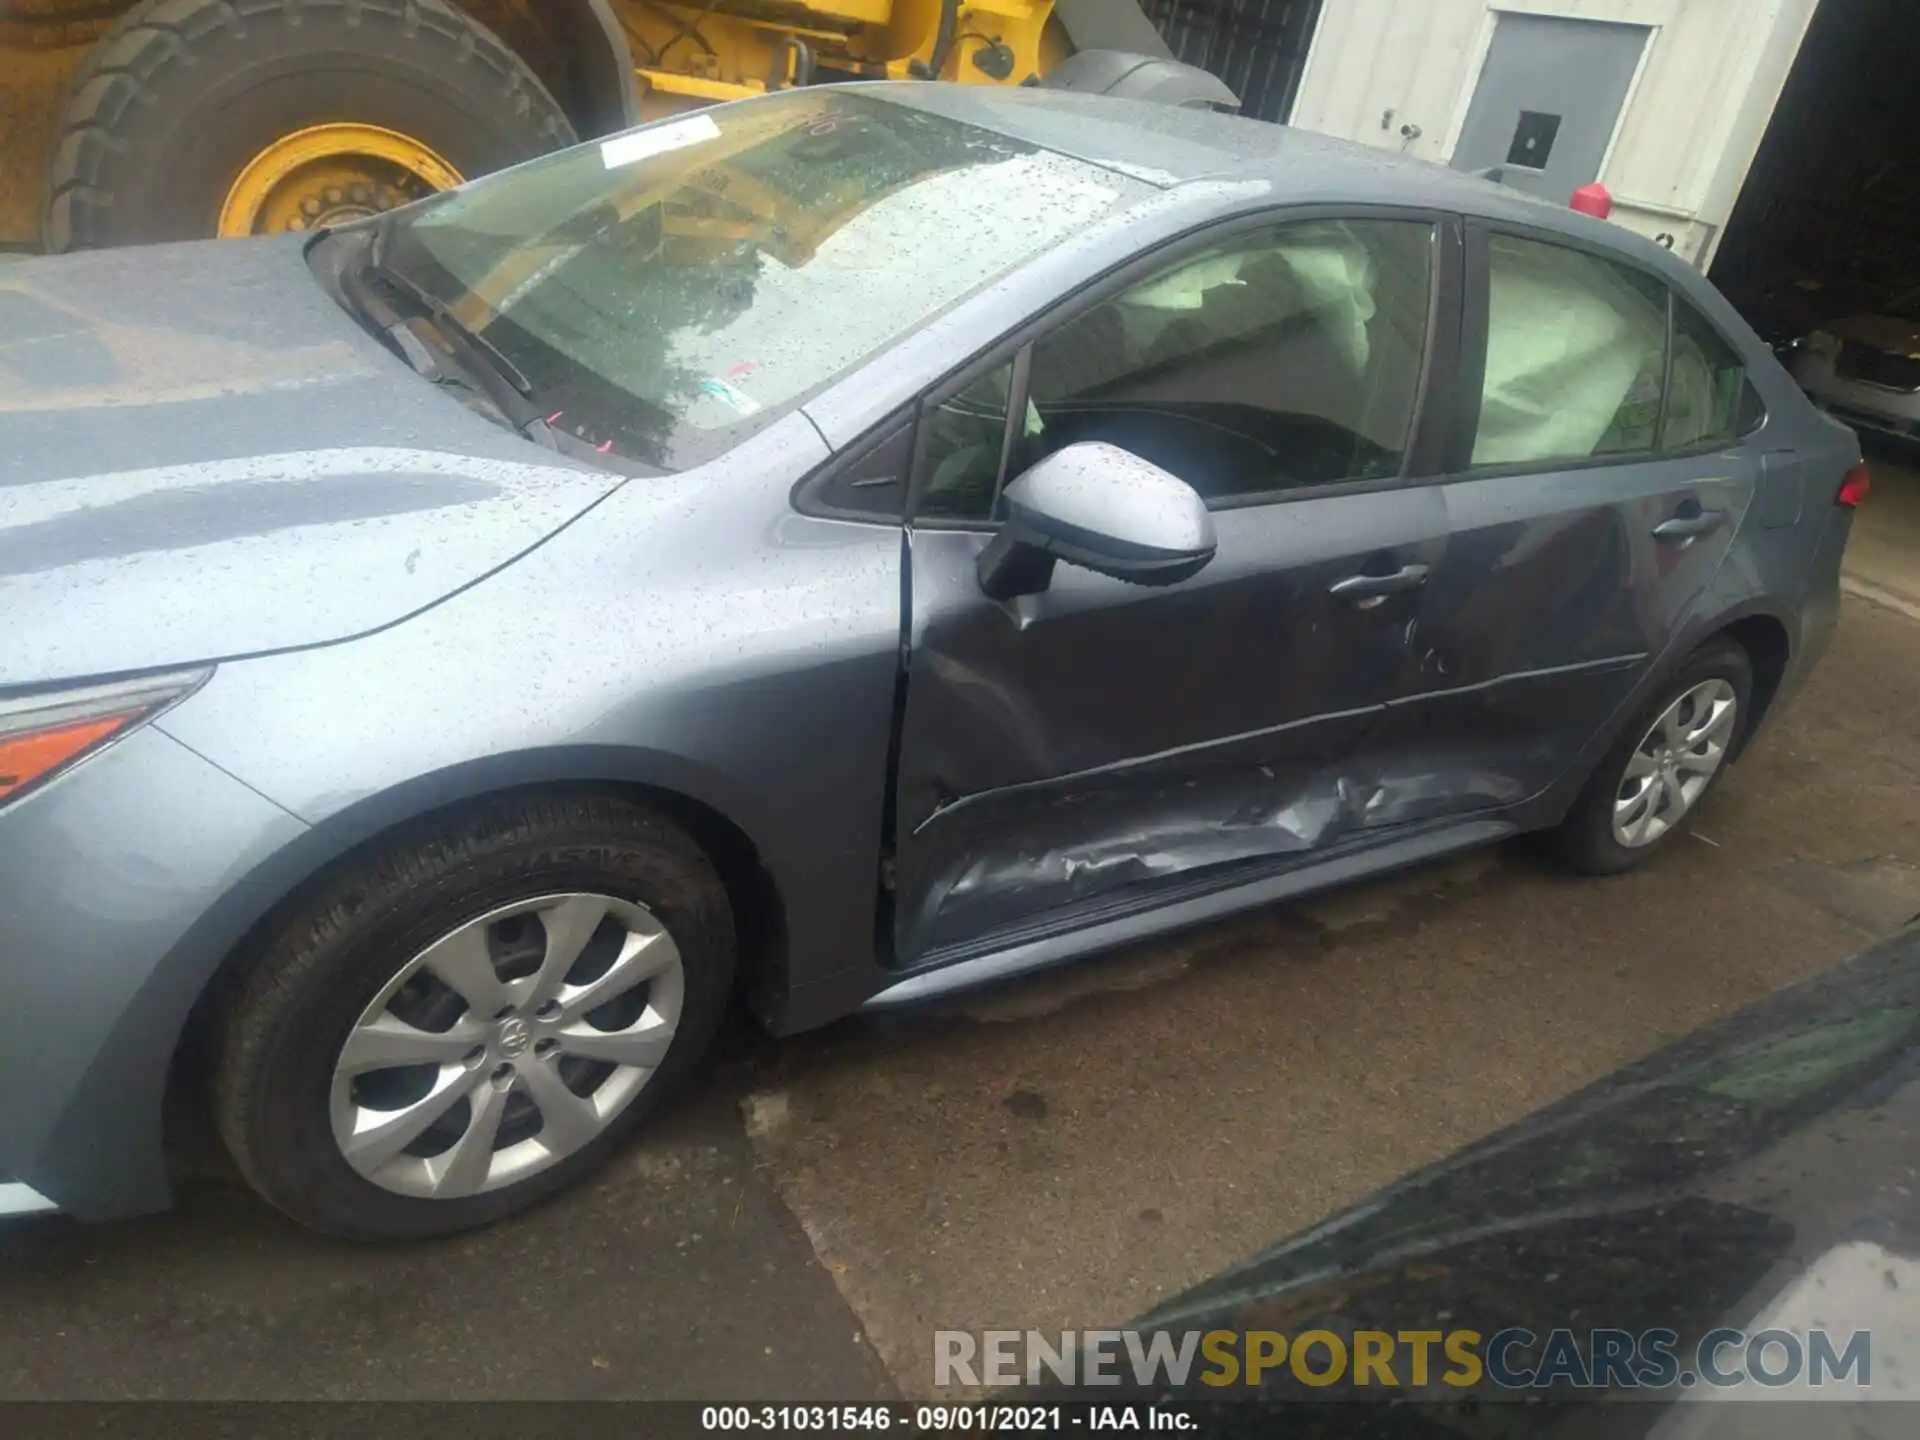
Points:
(513, 1037)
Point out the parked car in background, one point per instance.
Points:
(1754, 1177)
(843, 546)
(1866, 368)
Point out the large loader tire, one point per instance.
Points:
(194, 118)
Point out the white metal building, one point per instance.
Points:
(1665, 101)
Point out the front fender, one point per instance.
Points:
(123, 885)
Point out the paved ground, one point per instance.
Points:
(1060, 1155)
(1068, 1168)
(678, 1272)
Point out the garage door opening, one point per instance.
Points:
(1828, 222)
(1822, 254)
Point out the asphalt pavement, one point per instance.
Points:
(1060, 1154)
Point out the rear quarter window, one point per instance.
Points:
(1710, 400)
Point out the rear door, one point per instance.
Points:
(1603, 475)
(1101, 746)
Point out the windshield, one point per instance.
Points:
(667, 291)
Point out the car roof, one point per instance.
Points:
(1169, 146)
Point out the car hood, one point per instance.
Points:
(202, 456)
(1882, 332)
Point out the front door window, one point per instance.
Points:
(1276, 360)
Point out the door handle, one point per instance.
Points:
(1372, 587)
(1686, 527)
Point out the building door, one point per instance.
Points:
(1548, 100)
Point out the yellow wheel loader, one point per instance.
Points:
(126, 121)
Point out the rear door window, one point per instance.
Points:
(1576, 356)
(1591, 359)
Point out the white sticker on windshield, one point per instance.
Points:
(657, 140)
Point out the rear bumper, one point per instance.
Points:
(115, 881)
(1819, 605)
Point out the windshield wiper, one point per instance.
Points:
(444, 351)
(442, 315)
(443, 319)
(440, 347)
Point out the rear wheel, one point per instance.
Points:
(1665, 763)
(469, 1022)
(194, 118)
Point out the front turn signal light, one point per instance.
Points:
(42, 734)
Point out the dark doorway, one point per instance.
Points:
(1828, 223)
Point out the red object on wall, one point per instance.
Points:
(1593, 200)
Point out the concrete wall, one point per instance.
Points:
(1688, 132)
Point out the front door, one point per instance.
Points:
(1102, 746)
(1599, 498)
(1548, 100)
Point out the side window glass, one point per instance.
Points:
(1710, 401)
(965, 435)
(1282, 358)
(1576, 350)
(874, 483)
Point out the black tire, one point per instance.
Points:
(1585, 839)
(277, 1037)
(173, 102)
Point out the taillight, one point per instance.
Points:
(40, 735)
(1854, 488)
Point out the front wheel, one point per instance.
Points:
(469, 1021)
(1667, 760)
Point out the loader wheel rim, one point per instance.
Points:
(328, 175)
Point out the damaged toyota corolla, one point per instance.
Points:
(835, 548)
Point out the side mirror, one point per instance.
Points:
(1104, 509)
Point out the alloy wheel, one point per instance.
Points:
(507, 1045)
(1674, 762)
